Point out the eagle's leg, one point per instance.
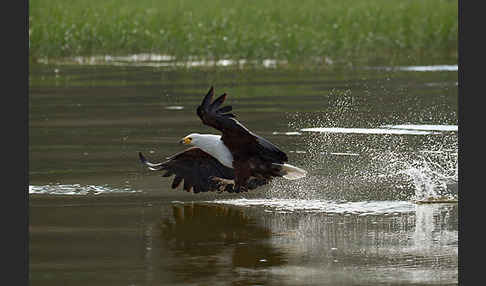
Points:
(242, 175)
(240, 188)
(223, 185)
(255, 182)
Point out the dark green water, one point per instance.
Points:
(97, 217)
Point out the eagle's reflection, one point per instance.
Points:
(207, 240)
(198, 223)
(196, 242)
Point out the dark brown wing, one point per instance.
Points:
(212, 115)
(240, 141)
(195, 167)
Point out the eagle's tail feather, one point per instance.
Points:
(291, 172)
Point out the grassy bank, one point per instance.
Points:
(326, 31)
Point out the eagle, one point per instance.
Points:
(238, 160)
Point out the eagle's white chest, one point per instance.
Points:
(215, 147)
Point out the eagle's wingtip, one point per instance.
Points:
(208, 98)
(142, 158)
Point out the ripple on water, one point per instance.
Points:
(76, 189)
(174, 107)
(424, 127)
(367, 131)
(431, 68)
(324, 206)
(401, 129)
(157, 60)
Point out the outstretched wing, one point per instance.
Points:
(235, 135)
(215, 116)
(193, 166)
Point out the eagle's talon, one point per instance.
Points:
(222, 185)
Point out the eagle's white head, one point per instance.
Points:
(210, 144)
(201, 140)
(191, 139)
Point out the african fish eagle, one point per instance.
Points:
(236, 161)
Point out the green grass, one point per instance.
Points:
(371, 31)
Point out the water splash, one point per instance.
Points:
(76, 189)
(386, 164)
(433, 175)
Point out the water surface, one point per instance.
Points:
(375, 141)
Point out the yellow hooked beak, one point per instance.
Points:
(185, 141)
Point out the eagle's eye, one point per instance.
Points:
(186, 140)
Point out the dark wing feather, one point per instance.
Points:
(212, 115)
(240, 141)
(193, 166)
(225, 109)
(177, 181)
(269, 151)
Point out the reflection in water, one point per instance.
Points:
(436, 225)
(207, 241)
(212, 243)
(323, 206)
(211, 223)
